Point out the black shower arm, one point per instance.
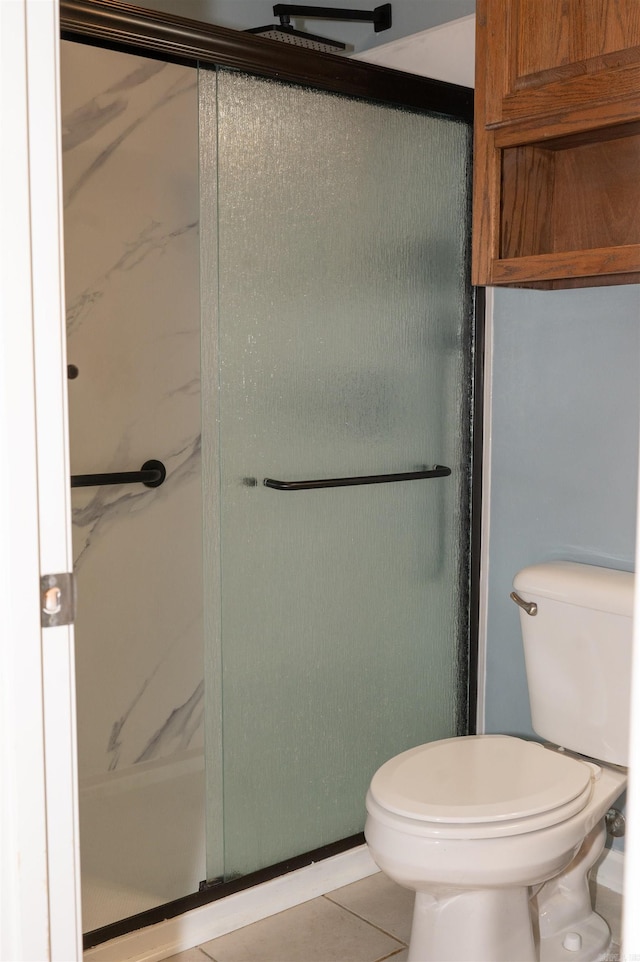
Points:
(380, 17)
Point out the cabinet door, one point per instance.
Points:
(557, 143)
(547, 57)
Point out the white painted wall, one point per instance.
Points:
(445, 52)
(408, 17)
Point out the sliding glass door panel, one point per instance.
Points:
(343, 338)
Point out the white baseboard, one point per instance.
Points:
(167, 938)
(609, 871)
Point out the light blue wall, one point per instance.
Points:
(408, 16)
(564, 455)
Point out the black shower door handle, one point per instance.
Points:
(438, 471)
(151, 474)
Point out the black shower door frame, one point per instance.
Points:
(120, 26)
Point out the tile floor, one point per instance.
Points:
(368, 921)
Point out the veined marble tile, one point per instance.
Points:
(130, 173)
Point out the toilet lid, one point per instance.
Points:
(478, 778)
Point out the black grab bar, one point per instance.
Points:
(151, 474)
(438, 471)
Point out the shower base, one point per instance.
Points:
(142, 838)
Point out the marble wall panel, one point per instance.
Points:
(130, 173)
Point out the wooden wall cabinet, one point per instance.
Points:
(557, 143)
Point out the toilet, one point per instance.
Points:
(497, 834)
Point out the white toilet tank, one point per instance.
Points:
(578, 655)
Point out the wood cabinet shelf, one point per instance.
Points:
(557, 194)
(570, 198)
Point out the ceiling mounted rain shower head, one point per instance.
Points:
(285, 33)
(380, 17)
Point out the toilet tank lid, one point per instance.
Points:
(589, 586)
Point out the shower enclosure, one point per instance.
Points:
(294, 603)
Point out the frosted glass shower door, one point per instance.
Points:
(335, 237)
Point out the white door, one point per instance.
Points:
(40, 913)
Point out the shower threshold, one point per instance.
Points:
(216, 890)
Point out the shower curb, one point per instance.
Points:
(161, 941)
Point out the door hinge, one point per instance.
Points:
(57, 599)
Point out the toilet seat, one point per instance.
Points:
(481, 786)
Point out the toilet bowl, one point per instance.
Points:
(472, 825)
(497, 834)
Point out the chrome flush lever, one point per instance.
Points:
(530, 607)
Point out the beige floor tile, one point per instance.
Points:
(190, 955)
(380, 901)
(318, 931)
